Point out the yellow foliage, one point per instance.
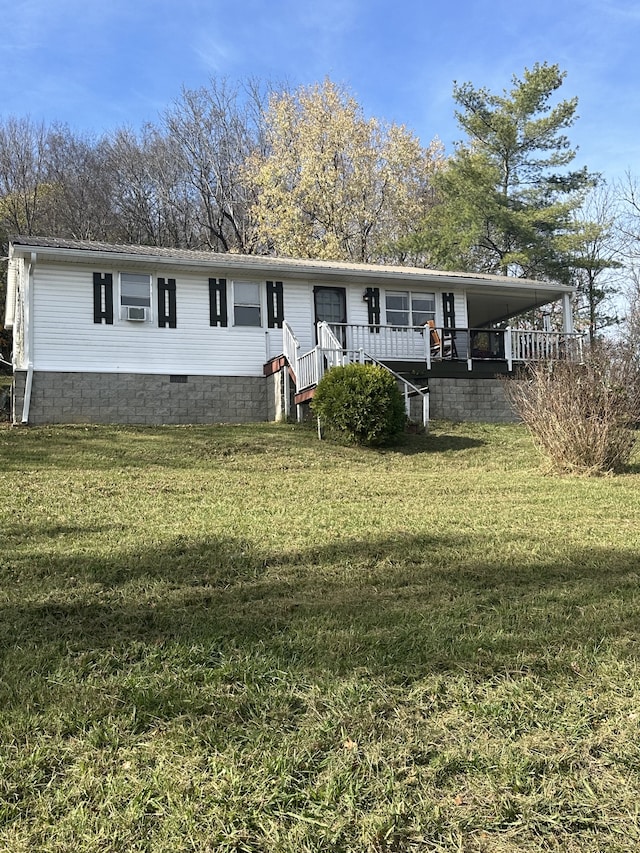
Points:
(335, 185)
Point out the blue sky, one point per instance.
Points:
(100, 64)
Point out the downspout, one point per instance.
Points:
(28, 322)
(10, 301)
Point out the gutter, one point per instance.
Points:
(26, 403)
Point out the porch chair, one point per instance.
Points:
(440, 347)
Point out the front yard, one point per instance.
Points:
(244, 639)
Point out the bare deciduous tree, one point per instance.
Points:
(23, 175)
(215, 130)
(597, 250)
(82, 197)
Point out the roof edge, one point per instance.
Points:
(63, 249)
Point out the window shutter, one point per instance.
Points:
(217, 302)
(103, 298)
(275, 304)
(167, 303)
(372, 298)
(448, 312)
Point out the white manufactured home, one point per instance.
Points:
(137, 334)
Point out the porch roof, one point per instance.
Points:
(491, 297)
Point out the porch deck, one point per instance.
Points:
(424, 347)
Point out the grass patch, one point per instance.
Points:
(243, 639)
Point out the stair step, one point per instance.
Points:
(304, 396)
(274, 365)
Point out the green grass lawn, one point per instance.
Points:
(244, 639)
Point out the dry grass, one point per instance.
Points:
(581, 416)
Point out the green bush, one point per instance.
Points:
(360, 403)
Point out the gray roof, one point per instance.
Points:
(79, 250)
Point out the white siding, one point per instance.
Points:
(66, 338)
(356, 306)
(298, 312)
(460, 305)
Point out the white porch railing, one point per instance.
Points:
(398, 343)
(418, 343)
(341, 343)
(332, 348)
(309, 369)
(524, 345)
(290, 345)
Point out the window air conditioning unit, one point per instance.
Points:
(137, 313)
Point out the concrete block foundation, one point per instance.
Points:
(130, 398)
(470, 399)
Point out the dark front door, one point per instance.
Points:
(330, 306)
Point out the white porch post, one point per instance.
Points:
(286, 392)
(508, 347)
(319, 365)
(567, 314)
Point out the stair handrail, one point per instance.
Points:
(330, 345)
(290, 347)
(422, 392)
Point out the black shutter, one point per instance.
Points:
(372, 298)
(103, 298)
(448, 313)
(275, 305)
(217, 302)
(167, 303)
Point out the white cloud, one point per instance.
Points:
(215, 52)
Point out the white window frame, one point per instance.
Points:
(259, 304)
(410, 311)
(123, 306)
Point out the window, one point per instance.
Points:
(135, 296)
(246, 304)
(423, 308)
(398, 309)
(410, 309)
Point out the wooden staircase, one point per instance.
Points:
(306, 370)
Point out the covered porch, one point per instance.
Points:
(481, 327)
(415, 355)
(430, 344)
(490, 334)
(423, 348)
